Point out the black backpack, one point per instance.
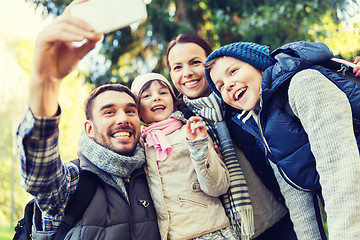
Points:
(75, 208)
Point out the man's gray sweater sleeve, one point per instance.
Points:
(325, 114)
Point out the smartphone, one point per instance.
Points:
(109, 15)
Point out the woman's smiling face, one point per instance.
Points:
(238, 82)
(187, 70)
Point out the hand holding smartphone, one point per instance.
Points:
(109, 15)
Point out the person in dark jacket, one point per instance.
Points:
(302, 114)
(108, 147)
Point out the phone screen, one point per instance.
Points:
(109, 15)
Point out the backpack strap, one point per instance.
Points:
(79, 201)
(345, 69)
(23, 227)
(342, 67)
(74, 210)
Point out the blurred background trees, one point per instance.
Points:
(15, 69)
(12, 76)
(142, 48)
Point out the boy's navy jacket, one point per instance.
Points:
(288, 143)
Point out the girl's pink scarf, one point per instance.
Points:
(155, 136)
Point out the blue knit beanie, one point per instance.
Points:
(251, 53)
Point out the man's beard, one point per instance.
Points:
(109, 146)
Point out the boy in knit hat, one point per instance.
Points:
(302, 115)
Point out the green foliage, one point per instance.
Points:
(142, 48)
(12, 95)
(6, 233)
(73, 93)
(15, 68)
(341, 38)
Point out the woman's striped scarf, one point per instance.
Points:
(236, 201)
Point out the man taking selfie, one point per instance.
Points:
(121, 207)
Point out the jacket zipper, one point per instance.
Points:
(263, 140)
(267, 148)
(131, 225)
(290, 182)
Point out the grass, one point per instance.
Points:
(6, 233)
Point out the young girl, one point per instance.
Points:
(184, 172)
(303, 115)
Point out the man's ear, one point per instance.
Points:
(89, 129)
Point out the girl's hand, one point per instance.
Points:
(356, 70)
(196, 129)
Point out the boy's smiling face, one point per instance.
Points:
(238, 82)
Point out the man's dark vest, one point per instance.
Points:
(110, 216)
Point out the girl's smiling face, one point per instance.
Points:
(187, 70)
(156, 103)
(238, 82)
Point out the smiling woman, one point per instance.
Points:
(187, 71)
(185, 57)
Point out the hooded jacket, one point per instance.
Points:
(278, 131)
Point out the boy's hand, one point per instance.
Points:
(357, 67)
(196, 129)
